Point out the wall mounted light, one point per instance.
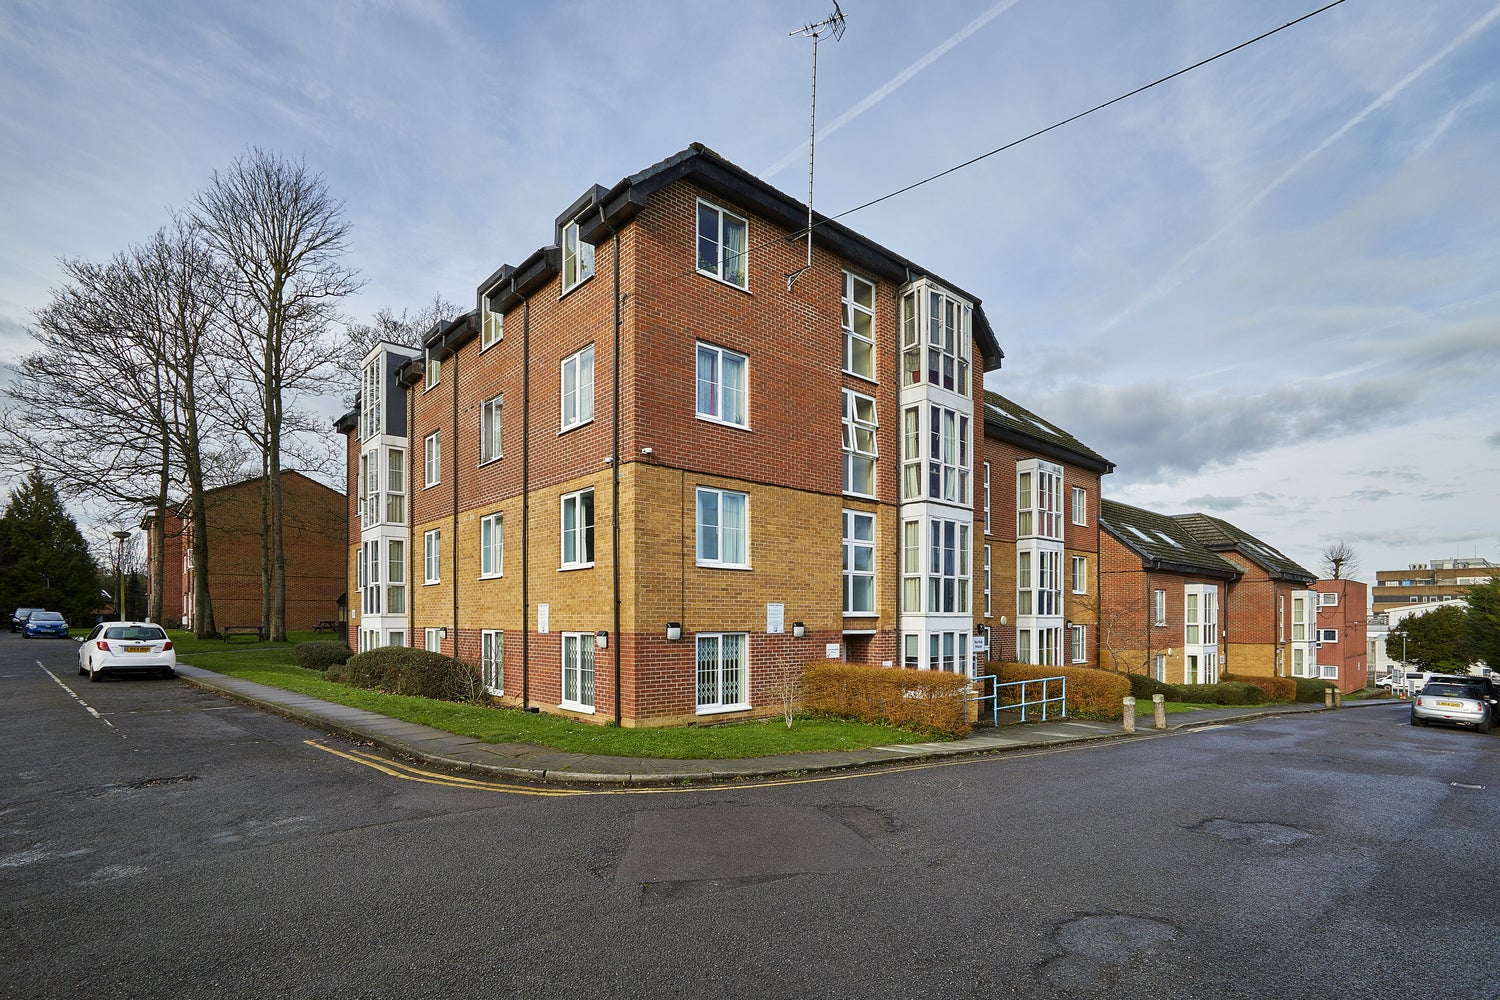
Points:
(674, 631)
(443, 632)
(798, 630)
(601, 639)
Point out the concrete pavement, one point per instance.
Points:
(543, 764)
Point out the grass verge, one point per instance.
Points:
(272, 664)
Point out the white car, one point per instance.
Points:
(126, 647)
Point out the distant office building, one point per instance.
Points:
(1429, 583)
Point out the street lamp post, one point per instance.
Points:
(120, 570)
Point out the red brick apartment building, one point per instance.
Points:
(1165, 598)
(315, 523)
(681, 452)
(1343, 654)
(1038, 516)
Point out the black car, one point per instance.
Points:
(18, 620)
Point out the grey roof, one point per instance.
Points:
(1221, 536)
(1007, 420)
(1162, 542)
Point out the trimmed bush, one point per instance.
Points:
(417, 672)
(1223, 693)
(1310, 689)
(1092, 694)
(1144, 688)
(917, 699)
(1276, 688)
(320, 655)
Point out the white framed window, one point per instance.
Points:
(986, 498)
(948, 651)
(1158, 607)
(395, 577)
(722, 378)
(432, 640)
(911, 453)
(577, 259)
(859, 563)
(1080, 505)
(1080, 574)
(578, 388)
(432, 369)
(723, 674)
(989, 606)
(492, 660)
(1299, 662)
(395, 486)
(491, 325)
(1159, 667)
(948, 567)
(1328, 635)
(432, 547)
(395, 637)
(433, 448)
(860, 449)
(946, 346)
(371, 395)
(1038, 499)
(859, 326)
(369, 488)
(372, 577)
(911, 565)
(578, 529)
(492, 545)
(1299, 619)
(1078, 644)
(578, 671)
(722, 245)
(1328, 599)
(948, 455)
(489, 429)
(1038, 582)
(723, 528)
(1200, 616)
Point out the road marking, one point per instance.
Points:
(74, 694)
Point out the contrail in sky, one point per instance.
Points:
(798, 153)
(1177, 273)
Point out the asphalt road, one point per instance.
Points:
(156, 840)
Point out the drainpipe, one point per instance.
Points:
(453, 446)
(614, 517)
(411, 521)
(525, 502)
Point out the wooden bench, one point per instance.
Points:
(230, 631)
(326, 625)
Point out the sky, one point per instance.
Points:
(1267, 289)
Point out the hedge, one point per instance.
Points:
(1276, 688)
(1310, 689)
(1092, 694)
(1223, 693)
(1144, 687)
(917, 699)
(320, 655)
(403, 670)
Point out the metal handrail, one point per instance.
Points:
(994, 696)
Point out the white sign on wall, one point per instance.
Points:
(544, 618)
(775, 619)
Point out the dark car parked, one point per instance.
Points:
(18, 620)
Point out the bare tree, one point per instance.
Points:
(284, 238)
(405, 330)
(1340, 560)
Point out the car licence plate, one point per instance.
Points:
(137, 649)
(1451, 704)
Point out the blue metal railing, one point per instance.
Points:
(1024, 703)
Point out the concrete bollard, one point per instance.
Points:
(1159, 702)
(1328, 697)
(1338, 698)
(1129, 703)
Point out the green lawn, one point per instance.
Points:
(272, 664)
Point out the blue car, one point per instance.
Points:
(45, 623)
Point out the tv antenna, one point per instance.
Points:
(832, 24)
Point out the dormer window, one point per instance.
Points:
(433, 369)
(722, 245)
(492, 324)
(578, 259)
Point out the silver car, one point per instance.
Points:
(1453, 702)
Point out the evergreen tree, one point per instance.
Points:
(1482, 622)
(1436, 640)
(44, 561)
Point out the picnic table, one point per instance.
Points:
(326, 625)
(230, 631)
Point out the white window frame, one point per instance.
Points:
(1080, 505)
(372, 592)
(1039, 499)
(581, 534)
(432, 453)
(432, 556)
(491, 325)
(861, 434)
(1328, 635)
(942, 357)
(491, 546)
(432, 640)
(1078, 645)
(490, 426)
(577, 402)
(395, 577)
(372, 392)
(492, 659)
(714, 689)
(577, 259)
(714, 543)
(721, 266)
(1158, 607)
(949, 459)
(1159, 667)
(859, 560)
(949, 566)
(986, 498)
(432, 369)
(1080, 573)
(859, 346)
(715, 399)
(989, 606)
(395, 486)
(578, 661)
(1328, 599)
